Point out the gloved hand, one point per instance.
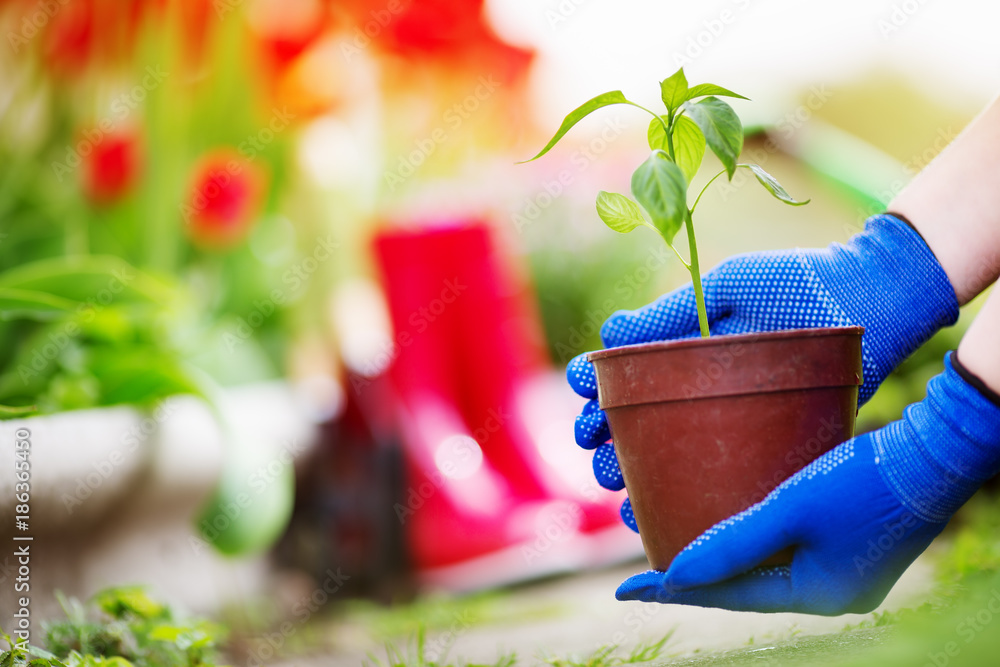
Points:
(857, 516)
(885, 279)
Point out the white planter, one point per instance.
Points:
(115, 493)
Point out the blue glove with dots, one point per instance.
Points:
(856, 517)
(885, 279)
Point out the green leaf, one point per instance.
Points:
(658, 184)
(122, 601)
(32, 304)
(703, 89)
(689, 143)
(689, 146)
(656, 136)
(9, 411)
(619, 212)
(578, 114)
(89, 278)
(674, 90)
(721, 127)
(139, 374)
(772, 185)
(263, 518)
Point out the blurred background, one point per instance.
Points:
(286, 321)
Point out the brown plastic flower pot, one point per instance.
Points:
(704, 428)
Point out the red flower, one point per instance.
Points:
(224, 198)
(112, 167)
(452, 32)
(285, 28)
(434, 27)
(70, 37)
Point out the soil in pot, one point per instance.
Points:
(704, 428)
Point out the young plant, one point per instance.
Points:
(695, 118)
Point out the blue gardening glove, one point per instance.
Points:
(857, 516)
(885, 279)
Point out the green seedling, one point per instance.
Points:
(696, 118)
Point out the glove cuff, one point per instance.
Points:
(887, 280)
(974, 380)
(943, 449)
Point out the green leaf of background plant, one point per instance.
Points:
(92, 277)
(673, 90)
(30, 304)
(619, 212)
(10, 411)
(772, 185)
(658, 184)
(703, 89)
(721, 127)
(121, 601)
(139, 375)
(578, 114)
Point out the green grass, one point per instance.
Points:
(609, 656)
(818, 650)
(414, 654)
(439, 613)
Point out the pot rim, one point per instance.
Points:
(723, 339)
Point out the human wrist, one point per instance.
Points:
(943, 449)
(955, 205)
(979, 351)
(974, 380)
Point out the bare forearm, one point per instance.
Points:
(955, 205)
(980, 348)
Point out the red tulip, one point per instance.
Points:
(112, 167)
(69, 39)
(224, 198)
(453, 32)
(285, 28)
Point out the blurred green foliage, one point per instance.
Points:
(123, 627)
(83, 331)
(189, 302)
